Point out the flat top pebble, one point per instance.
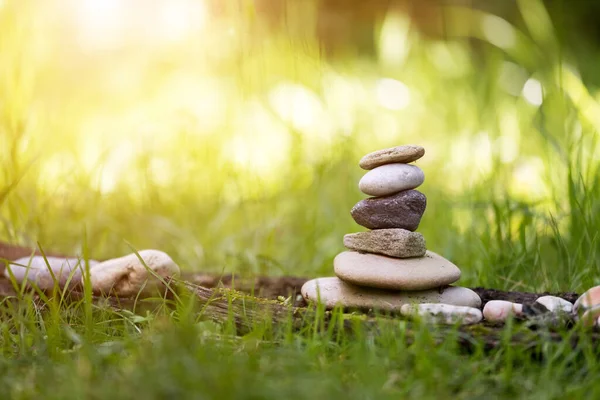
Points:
(399, 154)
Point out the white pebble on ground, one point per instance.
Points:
(555, 304)
(500, 310)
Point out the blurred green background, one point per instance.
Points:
(228, 133)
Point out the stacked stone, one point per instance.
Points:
(388, 267)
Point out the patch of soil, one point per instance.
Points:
(519, 297)
(270, 287)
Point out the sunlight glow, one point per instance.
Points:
(106, 24)
(393, 42)
(450, 58)
(508, 143)
(100, 22)
(392, 94)
(498, 32)
(296, 105)
(528, 178)
(532, 92)
(180, 18)
(512, 78)
(261, 143)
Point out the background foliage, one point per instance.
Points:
(228, 133)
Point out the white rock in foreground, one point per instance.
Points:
(500, 310)
(555, 304)
(35, 270)
(390, 179)
(333, 291)
(443, 313)
(127, 276)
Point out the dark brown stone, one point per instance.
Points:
(401, 210)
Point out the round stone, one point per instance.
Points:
(587, 300)
(442, 313)
(398, 243)
(500, 310)
(401, 210)
(391, 178)
(333, 291)
(127, 276)
(372, 270)
(399, 154)
(555, 304)
(35, 271)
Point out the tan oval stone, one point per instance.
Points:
(35, 270)
(443, 313)
(127, 276)
(501, 310)
(333, 291)
(391, 178)
(400, 154)
(383, 272)
(398, 243)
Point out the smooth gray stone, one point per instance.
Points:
(332, 291)
(373, 270)
(391, 178)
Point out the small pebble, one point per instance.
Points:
(555, 304)
(391, 178)
(500, 310)
(399, 154)
(443, 313)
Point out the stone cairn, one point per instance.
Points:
(388, 268)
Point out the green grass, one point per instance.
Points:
(186, 147)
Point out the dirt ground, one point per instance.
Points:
(266, 286)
